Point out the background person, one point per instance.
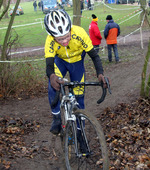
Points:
(82, 6)
(111, 32)
(65, 49)
(42, 5)
(89, 4)
(35, 6)
(95, 34)
(39, 4)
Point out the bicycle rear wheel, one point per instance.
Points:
(95, 156)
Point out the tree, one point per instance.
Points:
(76, 12)
(144, 12)
(5, 8)
(3, 66)
(145, 84)
(4, 48)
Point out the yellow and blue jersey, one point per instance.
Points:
(80, 41)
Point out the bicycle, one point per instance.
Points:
(76, 123)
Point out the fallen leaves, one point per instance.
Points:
(12, 145)
(127, 128)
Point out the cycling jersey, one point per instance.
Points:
(79, 42)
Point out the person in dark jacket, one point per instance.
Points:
(95, 34)
(35, 6)
(42, 5)
(39, 4)
(82, 6)
(111, 32)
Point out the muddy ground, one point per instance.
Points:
(36, 148)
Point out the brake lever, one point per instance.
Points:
(108, 85)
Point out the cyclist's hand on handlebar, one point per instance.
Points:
(102, 78)
(55, 82)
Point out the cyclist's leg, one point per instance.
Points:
(60, 70)
(77, 73)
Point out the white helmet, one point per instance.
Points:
(57, 23)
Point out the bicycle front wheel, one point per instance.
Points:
(89, 151)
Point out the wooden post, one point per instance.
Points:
(76, 12)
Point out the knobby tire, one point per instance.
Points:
(98, 159)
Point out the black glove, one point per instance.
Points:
(55, 81)
(102, 78)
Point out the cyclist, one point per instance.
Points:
(65, 49)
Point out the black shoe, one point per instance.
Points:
(56, 124)
(82, 143)
(118, 61)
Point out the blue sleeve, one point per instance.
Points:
(106, 31)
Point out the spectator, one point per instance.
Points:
(42, 5)
(35, 6)
(82, 6)
(89, 4)
(39, 4)
(112, 30)
(95, 34)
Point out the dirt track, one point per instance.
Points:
(125, 86)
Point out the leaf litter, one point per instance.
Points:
(127, 129)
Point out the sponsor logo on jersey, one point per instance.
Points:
(74, 36)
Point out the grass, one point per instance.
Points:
(35, 35)
(30, 77)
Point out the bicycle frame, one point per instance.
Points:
(69, 103)
(74, 119)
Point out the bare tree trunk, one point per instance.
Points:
(4, 48)
(145, 84)
(6, 7)
(145, 12)
(145, 92)
(76, 12)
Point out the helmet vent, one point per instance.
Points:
(56, 19)
(60, 29)
(67, 28)
(52, 24)
(63, 20)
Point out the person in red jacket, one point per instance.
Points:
(95, 34)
